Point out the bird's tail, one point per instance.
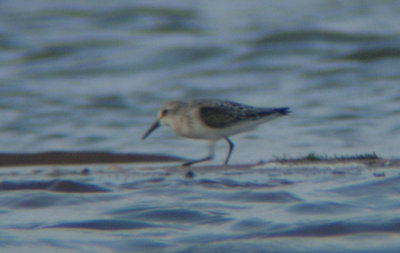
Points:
(282, 110)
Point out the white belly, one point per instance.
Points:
(198, 130)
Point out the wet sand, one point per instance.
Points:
(85, 157)
(93, 157)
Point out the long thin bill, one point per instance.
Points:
(151, 129)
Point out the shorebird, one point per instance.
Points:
(212, 119)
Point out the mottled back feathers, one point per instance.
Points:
(226, 113)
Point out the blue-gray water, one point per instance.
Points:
(90, 75)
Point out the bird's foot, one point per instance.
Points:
(208, 158)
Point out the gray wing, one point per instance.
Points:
(229, 113)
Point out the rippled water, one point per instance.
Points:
(90, 75)
(156, 209)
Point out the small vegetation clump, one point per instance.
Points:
(314, 157)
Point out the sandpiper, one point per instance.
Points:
(212, 120)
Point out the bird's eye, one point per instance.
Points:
(164, 112)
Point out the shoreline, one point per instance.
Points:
(80, 157)
(103, 157)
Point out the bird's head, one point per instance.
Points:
(165, 116)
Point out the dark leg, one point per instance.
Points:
(231, 146)
(210, 156)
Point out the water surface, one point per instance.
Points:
(266, 208)
(90, 75)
